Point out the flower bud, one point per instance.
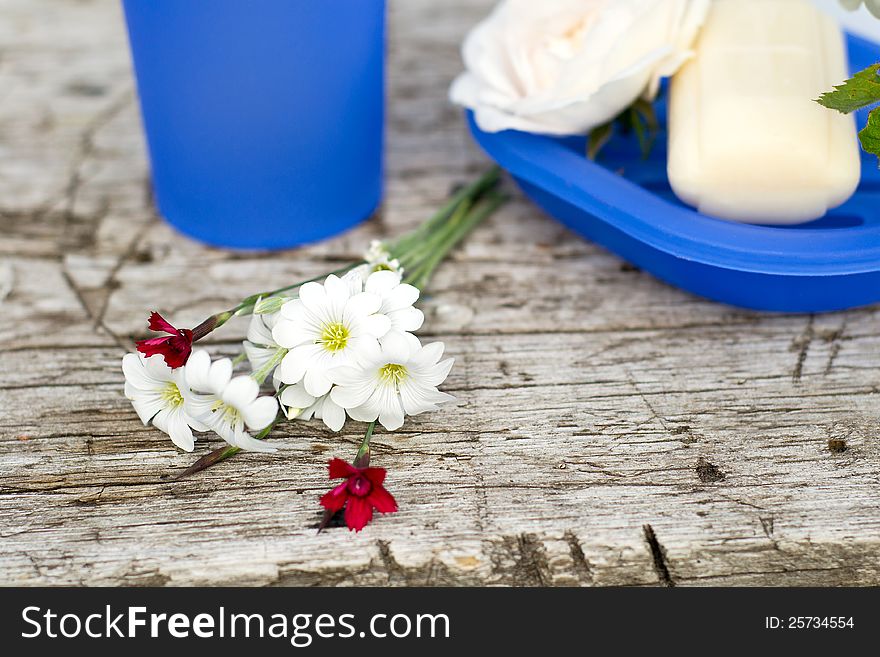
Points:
(269, 305)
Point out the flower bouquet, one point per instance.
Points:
(337, 347)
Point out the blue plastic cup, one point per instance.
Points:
(264, 118)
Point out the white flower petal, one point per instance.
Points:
(355, 279)
(382, 283)
(418, 397)
(396, 347)
(260, 414)
(363, 413)
(240, 391)
(429, 354)
(160, 421)
(407, 319)
(156, 367)
(179, 431)
(198, 370)
(136, 374)
(352, 396)
(200, 408)
(312, 295)
(347, 375)
(367, 351)
(400, 297)
(260, 330)
(437, 374)
(251, 444)
(290, 334)
(291, 310)
(195, 424)
(306, 414)
(220, 374)
(391, 414)
(258, 356)
(296, 396)
(293, 365)
(361, 305)
(147, 407)
(415, 344)
(376, 325)
(338, 293)
(332, 414)
(317, 382)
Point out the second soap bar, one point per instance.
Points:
(747, 142)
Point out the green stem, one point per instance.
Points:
(362, 458)
(248, 303)
(421, 275)
(471, 191)
(261, 374)
(428, 247)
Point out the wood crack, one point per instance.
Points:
(658, 556)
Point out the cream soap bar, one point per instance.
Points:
(746, 141)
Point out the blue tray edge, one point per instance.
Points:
(784, 275)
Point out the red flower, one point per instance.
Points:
(175, 348)
(362, 490)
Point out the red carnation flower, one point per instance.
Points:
(175, 348)
(362, 491)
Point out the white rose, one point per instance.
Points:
(872, 5)
(564, 67)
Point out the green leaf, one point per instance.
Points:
(646, 110)
(599, 138)
(862, 90)
(870, 136)
(639, 118)
(646, 124)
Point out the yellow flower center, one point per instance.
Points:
(228, 413)
(381, 267)
(171, 395)
(334, 337)
(392, 374)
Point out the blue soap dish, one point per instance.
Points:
(625, 203)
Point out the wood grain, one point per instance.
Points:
(610, 430)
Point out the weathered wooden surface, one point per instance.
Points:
(610, 429)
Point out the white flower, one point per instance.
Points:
(158, 394)
(260, 347)
(564, 67)
(326, 327)
(299, 404)
(378, 258)
(872, 5)
(391, 381)
(397, 304)
(355, 278)
(226, 404)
